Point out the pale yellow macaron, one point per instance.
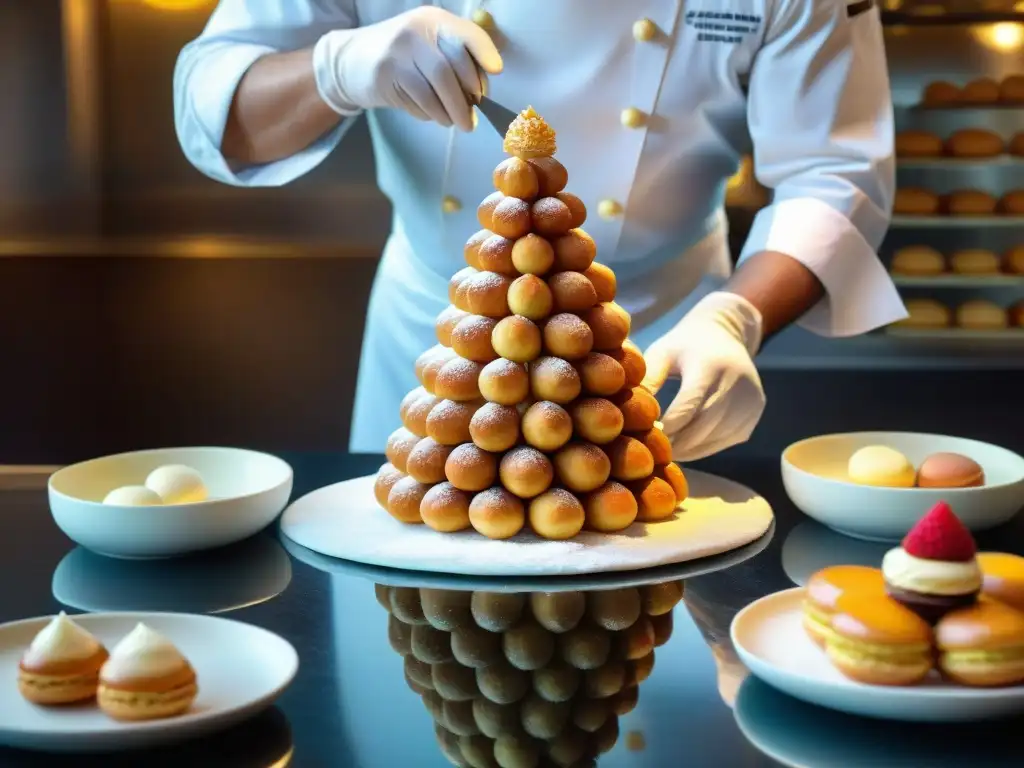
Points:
(881, 466)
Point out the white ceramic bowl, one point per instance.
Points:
(814, 475)
(248, 490)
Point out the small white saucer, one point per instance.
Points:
(769, 637)
(240, 668)
(811, 546)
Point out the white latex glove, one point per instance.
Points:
(427, 61)
(720, 399)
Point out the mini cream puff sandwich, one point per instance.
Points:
(62, 664)
(982, 645)
(827, 586)
(146, 678)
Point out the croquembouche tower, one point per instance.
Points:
(530, 410)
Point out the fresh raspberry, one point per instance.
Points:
(940, 535)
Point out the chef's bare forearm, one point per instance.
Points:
(276, 110)
(779, 286)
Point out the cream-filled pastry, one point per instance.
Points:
(62, 664)
(145, 678)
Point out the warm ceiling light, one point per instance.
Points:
(1003, 37)
(176, 5)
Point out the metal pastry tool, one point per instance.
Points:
(498, 116)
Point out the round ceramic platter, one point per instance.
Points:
(769, 637)
(240, 670)
(344, 521)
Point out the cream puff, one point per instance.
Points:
(62, 664)
(146, 678)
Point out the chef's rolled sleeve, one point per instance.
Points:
(821, 119)
(209, 69)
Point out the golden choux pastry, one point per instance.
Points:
(575, 250)
(407, 402)
(603, 279)
(505, 216)
(546, 426)
(881, 466)
(530, 297)
(975, 143)
(398, 447)
(495, 427)
(1012, 203)
(495, 255)
(609, 324)
(940, 94)
(529, 136)
(981, 315)
(487, 294)
(445, 508)
(918, 261)
(497, 514)
(471, 338)
(1013, 260)
(1011, 89)
(470, 468)
(485, 210)
(404, 500)
(612, 507)
(517, 338)
(505, 382)
(582, 467)
(639, 409)
(430, 362)
(426, 460)
(632, 361)
(596, 420)
(657, 443)
(515, 177)
(554, 379)
(984, 90)
(975, 261)
(463, 274)
(448, 421)
(550, 217)
(601, 374)
(655, 498)
(416, 410)
(387, 476)
(457, 380)
(1015, 146)
(673, 475)
(630, 459)
(925, 314)
(918, 144)
(446, 322)
(1016, 314)
(568, 336)
(525, 471)
(532, 255)
(911, 201)
(551, 175)
(969, 202)
(572, 292)
(577, 209)
(556, 514)
(470, 252)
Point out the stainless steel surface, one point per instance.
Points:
(498, 116)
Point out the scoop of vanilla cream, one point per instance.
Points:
(530, 136)
(177, 484)
(143, 652)
(61, 640)
(133, 496)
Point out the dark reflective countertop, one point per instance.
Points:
(355, 701)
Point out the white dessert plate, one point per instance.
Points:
(814, 475)
(240, 670)
(769, 637)
(248, 490)
(344, 521)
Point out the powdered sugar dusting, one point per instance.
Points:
(494, 416)
(525, 460)
(468, 456)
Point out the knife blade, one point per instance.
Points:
(498, 116)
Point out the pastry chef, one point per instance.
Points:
(654, 103)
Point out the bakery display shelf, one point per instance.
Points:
(911, 19)
(959, 163)
(933, 222)
(959, 281)
(1014, 335)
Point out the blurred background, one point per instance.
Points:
(142, 304)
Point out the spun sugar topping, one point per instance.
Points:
(530, 136)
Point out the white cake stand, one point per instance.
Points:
(344, 521)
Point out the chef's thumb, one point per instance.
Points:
(659, 362)
(482, 49)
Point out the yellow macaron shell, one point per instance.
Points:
(983, 644)
(825, 588)
(881, 466)
(1003, 577)
(876, 640)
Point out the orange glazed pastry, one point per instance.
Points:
(826, 587)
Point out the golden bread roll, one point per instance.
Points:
(911, 201)
(940, 94)
(1015, 146)
(1016, 314)
(918, 144)
(975, 261)
(974, 142)
(926, 314)
(1012, 203)
(1011, 90)
(984, 90)
(1013, 261)
(969, 202)
(981, 315)
(918, 261)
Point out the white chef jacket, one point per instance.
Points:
(817, 106)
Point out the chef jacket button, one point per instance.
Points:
(632, 117)
(483, 19)
(451, 204)
(609, 209)
(644, 30)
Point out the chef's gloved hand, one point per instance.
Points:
(427, 61)
(720, 399)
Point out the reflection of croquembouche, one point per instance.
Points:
(530, 407)
(528, 679)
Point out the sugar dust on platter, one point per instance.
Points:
(169, 484)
